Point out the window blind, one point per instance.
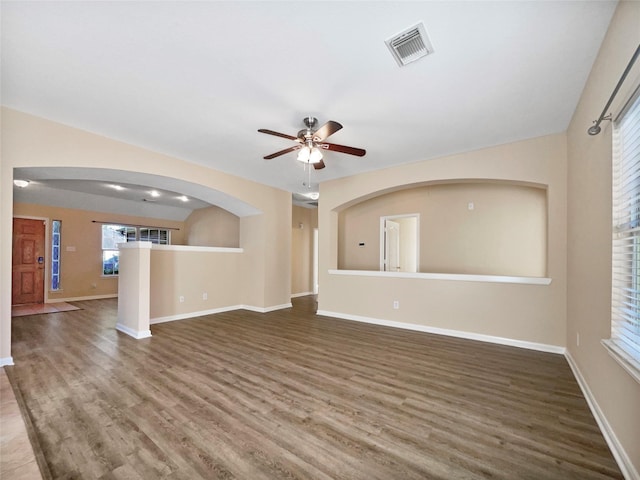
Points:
(625, 298)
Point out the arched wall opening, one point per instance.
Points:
(467, 226)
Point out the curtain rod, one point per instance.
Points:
(133, 225)
(595, 129)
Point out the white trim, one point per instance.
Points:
(626, 361)
(302, 294)
(193, 248)
(184, 316)
(6, 361)
(200, 313)
(541, 347)
(316, 267)
(266, 309)
(80, 299)
(459, 277)
(133, 333)
(621, 457)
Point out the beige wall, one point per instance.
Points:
(213, 227)
(192, 274)
(29, 141)
(81, 253)
(304, 221)
(589, 233)
(526, 313)
(504, 234)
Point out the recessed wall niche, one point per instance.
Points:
(466, 227)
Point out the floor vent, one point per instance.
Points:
(410, 45)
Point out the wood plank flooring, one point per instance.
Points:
(292, 395)
(17, 460)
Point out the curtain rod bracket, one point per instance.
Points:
(595, 129)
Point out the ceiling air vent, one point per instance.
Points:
(410, 45)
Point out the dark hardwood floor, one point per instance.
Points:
(289, 394)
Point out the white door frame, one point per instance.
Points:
(316, 257)
(383, 220)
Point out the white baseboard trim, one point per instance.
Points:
(80, 299)
(541, 347)
(200, 313)
(6, 361)
(623, 460)
(133, 333)
(267, 309)
(302, 294)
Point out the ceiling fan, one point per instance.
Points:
(311, 142)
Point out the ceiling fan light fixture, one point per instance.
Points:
(315, 156)
(304, 154)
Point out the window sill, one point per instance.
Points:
(446, 276)
(626, 361)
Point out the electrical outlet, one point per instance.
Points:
(205, 296)
(396, 304)
(181, 299)
(578, 339)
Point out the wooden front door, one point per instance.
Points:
(27, 284)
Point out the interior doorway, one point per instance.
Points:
(399, 243)
(28, 261)
(315, 262)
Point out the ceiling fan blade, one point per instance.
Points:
(277, 134)
(319, 165)
(282, 152)
(359, 152)
(326, 130)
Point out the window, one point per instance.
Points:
(56, 226)
(112, 235)
(154, 235)
(625, 299)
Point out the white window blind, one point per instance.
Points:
(625, 300)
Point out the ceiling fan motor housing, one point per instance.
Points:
(310, 122)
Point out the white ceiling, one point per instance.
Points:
(196, 80)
